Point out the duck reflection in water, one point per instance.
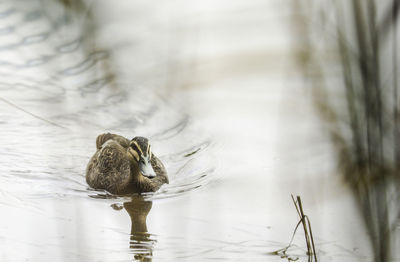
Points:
(140, 242)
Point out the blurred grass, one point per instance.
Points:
(356, 97)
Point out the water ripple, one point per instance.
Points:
(7, 13)
(55, 103)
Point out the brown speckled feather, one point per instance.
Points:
(111, 169)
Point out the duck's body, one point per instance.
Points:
(121, 166)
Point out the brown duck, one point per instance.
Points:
(123, 166)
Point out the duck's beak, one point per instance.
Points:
(145, 168)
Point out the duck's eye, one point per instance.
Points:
(134, 154)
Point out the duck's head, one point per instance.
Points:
(140, 150)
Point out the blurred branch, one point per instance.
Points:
(365, 130)
(389, 20)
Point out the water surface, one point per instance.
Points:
(209, 85)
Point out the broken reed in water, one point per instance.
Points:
(305, 221)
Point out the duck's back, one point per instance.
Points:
(109, 168)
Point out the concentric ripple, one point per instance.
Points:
(57, 95)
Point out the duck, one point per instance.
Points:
(122, 166)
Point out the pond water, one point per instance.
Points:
(211, 85)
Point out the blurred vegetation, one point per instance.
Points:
(347, 53)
